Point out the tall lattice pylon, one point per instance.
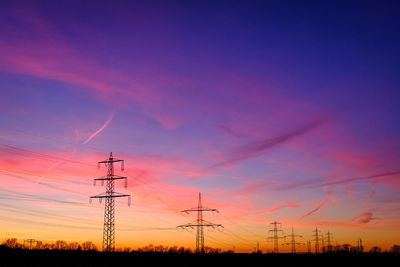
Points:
(275, 231)
(292, 241)
(329, 237)
(200, 223)
(110, 195)
(317, 234)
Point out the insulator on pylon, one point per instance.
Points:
(122, 166)
(126, 183)
(129, 201)
(90, 200)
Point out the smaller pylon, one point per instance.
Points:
(292, 241)
(276, 236)
(329, 240)
(317, 234)
(360, 247)
(200, 224)
(30, 241)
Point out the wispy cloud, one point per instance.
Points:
(228, 130)
(314, 211)
(105, 124)
(315, 183)
(365, 217)
(259, 148)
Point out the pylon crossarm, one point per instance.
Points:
(196, 209)
(108, 177)
(183, 226)
(111, 160)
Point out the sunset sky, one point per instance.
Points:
(274, 110)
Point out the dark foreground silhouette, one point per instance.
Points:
(44, 258)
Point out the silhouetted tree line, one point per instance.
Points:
(12, 243)
(58, 245)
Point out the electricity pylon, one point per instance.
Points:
(316, 239)
(276, 236)
(110, 195)
(329, 237)
(292, 241)
(30, 241)
(360, 247)
(200, 224)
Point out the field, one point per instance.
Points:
(88, 259)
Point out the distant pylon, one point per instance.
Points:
(360, 247)
(292, 241)
(109, 195)
(30, 241)
(316, 239)
(275, 235)
(309, 247)
(329, 237)
(200, 224)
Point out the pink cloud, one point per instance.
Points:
(363, 218)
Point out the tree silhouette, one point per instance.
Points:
(13, 243)
(88, 245)
(375, 250)
(61, 245)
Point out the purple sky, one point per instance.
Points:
(281, 110)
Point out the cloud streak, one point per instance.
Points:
(318, 183)
(259, 148)
(314, 211)
(364, 218)
(109, 119)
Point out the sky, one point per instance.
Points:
(273, 110)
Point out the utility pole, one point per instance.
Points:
(316, 239)
(110, 195)
(30, 241)
(275, 235)
(200, 224)
(292, 241)
(329, 236)
(309, 247)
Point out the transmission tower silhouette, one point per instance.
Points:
(199, 224)
(275, 235)
(109, 196)
(316, 239)
(360, 247)
(329, 237)
(292, 241)
(30, 241)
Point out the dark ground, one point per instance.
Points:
(44, 258)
